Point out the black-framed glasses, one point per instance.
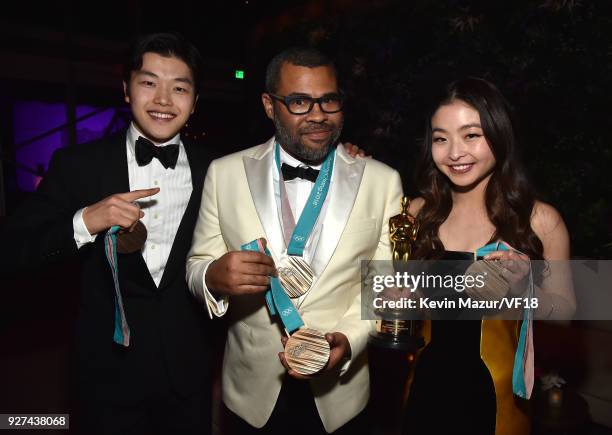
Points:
(303, 104)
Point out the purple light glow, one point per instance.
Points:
(32, 118)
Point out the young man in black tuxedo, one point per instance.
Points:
(160, 382)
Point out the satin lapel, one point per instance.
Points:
(342, 193)
(117, 180)
(184, 234)
(261, 184)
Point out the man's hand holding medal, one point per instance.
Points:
(339, 351)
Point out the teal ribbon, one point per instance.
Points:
(491, 247)
(121, 333)
(277, 300)
(313, 206)
(518, 372)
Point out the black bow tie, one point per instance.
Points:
(307, 173)
(146, 150)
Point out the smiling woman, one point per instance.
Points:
(470, 147)
(475, 195)
(460, 149)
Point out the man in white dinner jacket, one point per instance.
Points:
(243, 200)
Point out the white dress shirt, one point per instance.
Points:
(298, 190)
(163, 211)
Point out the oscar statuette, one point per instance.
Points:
(394, 331)
(393, 347)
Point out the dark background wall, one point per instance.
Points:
(551, 59)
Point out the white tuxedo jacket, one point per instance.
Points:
(238, 206)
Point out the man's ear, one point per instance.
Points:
(126, 95)
(268, 105)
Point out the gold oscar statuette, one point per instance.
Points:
(393, 330)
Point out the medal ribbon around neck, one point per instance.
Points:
(313, 206)
(121, 334)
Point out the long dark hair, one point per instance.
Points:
(509, 198)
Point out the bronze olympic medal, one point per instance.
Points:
(496, 286)
(295, 275)
(307, 351)
(129, 242)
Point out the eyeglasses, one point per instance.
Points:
(303, 104)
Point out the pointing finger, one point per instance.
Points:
(138, 194)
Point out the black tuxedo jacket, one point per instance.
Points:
(169, 329)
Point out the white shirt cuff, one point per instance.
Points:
(216, 307)
(81, 234)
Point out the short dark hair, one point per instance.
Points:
(167, 45)
(299, 56)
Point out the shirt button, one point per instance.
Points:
(152, 247)
(156, 182)
(156, 216)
